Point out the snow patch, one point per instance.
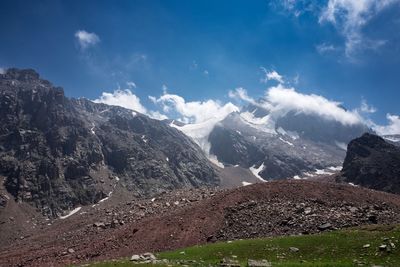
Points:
(296, 177)
(167, 159)
(144, 138)
(264, 124)
(286, 142)
(244, 183)
(72, 212)
(322, 171)
(214, 160)
(352, 184)
(337, 168)
(392, 139)
(134, 114)
(256, 171)
(92, 129)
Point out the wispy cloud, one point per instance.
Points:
(325, 48)
(366, 108)
(86, 39)
(131, 84)
(271, 75)
(350, 16)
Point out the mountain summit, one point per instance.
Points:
(57, 153)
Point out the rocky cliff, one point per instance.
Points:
(372, 162)
(57, 153)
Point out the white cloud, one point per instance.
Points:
(271, 75)
(287, 99)
(279, 100)
(131, 84)
(122, 98)
(392, 128)
(367, 108)
(86, 39)
(350, 16)
(241, 93)
(194, 111)
(127, 99)
(325, 48)
(205, 72)
(3, 70)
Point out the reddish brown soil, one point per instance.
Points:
(194, 222)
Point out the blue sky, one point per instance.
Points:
(344, 50)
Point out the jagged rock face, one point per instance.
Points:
(372, 162)
(57, 153)
(292, 145)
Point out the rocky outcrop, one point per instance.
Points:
(297, 145)
(57, 153)
(372, 162)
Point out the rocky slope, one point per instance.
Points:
(190, 217)
(57, 153)
(372, 162)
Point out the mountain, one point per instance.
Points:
(57, 153)
(393, 139)
(372, 162)
(292, 145)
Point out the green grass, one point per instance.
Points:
(331, 249)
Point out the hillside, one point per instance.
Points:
(199, 217)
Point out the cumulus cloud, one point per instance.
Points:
(271, 75)
(393, 126)
(194, 111)
(127, 99)
(122, 98)
(279, 100)
(350, 16)
(86, 39)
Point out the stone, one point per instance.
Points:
(229, 263)
(99, 224)
(135, 257)
(149, 256)
(294, 249)
(258, 263)
(382, 247)
(307, 210)
(71, 250)
(366, 246)
(324, 226)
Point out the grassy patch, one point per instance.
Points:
(332, 249)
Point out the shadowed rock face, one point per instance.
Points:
(57, 153)
(295, 144)
(372, 162)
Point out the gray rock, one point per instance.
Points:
(258, 263)
(324, 226)
(71, 250)
(135, 257)
(294, 249)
